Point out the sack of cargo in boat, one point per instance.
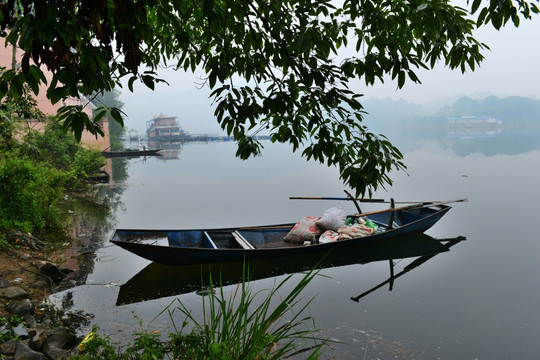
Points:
(332, 236)
(304, 230)
(355, 231)
(328, 236)
(332, 219)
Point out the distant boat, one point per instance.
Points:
(473, 121)
(133, 135)
(468, 127)
(165, 128)
(131, 153)
(202, 246)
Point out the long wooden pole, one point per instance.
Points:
(334, 198)
(413, 206)
(360, 200)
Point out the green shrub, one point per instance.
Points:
(28, 194)
(35, 175)
(97, 347)
(14, 320)
(83, 163)
(4, 244)
(100, 347)
(62, 151)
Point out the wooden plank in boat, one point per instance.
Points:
(210, 240)
(243, 242)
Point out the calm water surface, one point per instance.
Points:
(477, 301)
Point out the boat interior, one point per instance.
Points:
(232, 238)
(248, 238)
(240, 238)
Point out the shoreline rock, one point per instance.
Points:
(29, 328)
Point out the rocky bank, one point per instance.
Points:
(30, 328)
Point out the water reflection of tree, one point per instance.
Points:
(91, 224)
(93, 218)
(119, 169)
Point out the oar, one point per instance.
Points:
(334, 199)
(413, 206)
(277, 227)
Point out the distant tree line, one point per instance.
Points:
(507, 109)
(512, 110)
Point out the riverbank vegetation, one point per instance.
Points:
(38, 168)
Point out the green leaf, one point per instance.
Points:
(516, 20)
(475, 5)
(482, 17)
(497, 20)
(401, 79)
(148, 80)
(99, 113)
(117, 115)
(130, 83)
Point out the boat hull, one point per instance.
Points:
(134, 153)
(409, 222)
(157, 281)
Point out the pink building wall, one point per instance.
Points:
(44, 104)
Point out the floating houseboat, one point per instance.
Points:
(473, 126)
(473, 121)
(165, 128)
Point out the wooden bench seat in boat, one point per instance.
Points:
(242, 241)
(227, 240)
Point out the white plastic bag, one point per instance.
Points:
(332, 219)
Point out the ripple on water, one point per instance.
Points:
(106, 258)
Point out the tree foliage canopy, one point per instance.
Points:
(283, 65)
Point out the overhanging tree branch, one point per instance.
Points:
(282, 50)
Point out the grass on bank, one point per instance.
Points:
(232, 327)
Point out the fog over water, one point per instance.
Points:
(510, 68)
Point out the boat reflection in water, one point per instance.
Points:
(157, 281)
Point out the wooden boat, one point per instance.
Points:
(157, 281)
(201, 246)
(131, 153)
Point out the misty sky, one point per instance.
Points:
(511, 68)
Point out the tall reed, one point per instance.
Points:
(235, 327)
(241, 326)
